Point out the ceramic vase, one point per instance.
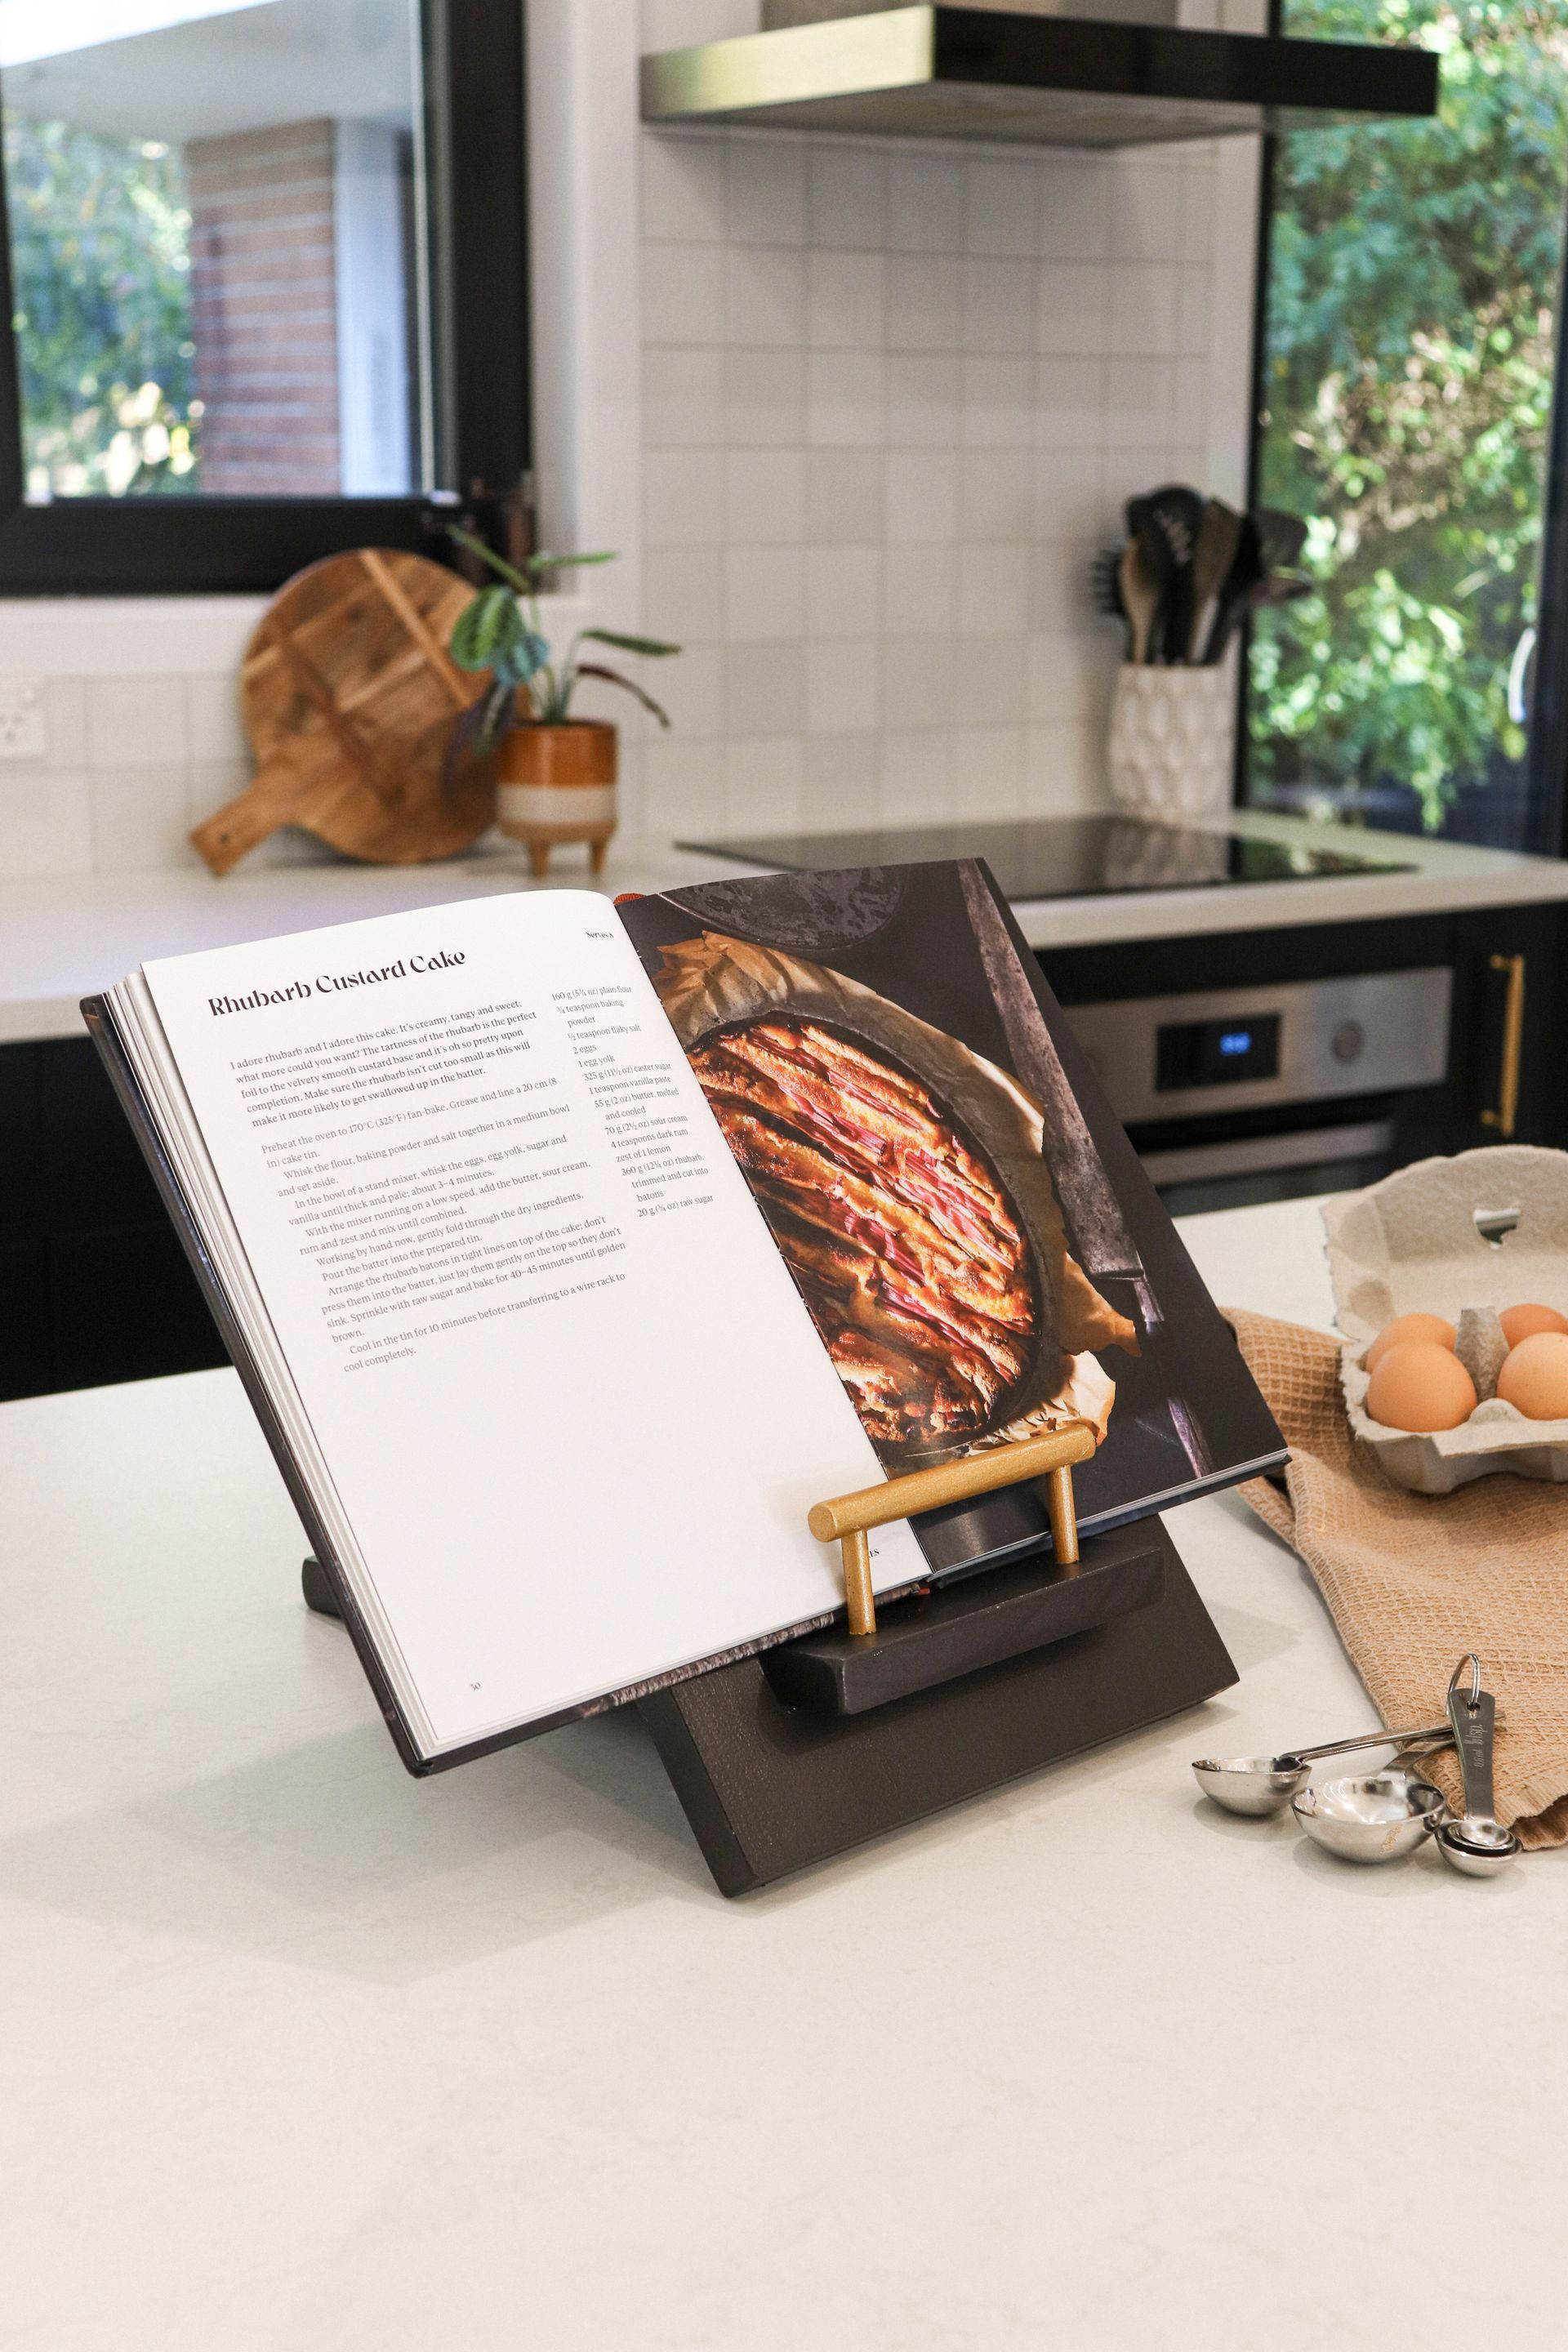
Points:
(557, 784)
(1172, 746)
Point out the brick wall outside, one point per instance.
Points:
(264, 310)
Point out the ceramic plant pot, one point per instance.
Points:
(1172, 748)
(557, 784)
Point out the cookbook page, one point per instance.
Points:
(572, 1407)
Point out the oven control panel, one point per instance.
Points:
(1164, 1058)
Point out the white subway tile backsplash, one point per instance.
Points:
(135, 723)
(846, 300)
(764, 398)
(213, 727)
(997, 494)
(682, 190)
(683, 395)
(764, 593)
(44, 824)
(138, 818)
(917, 682)
(683, 785)
(765, 295)
(65, 722)
(683, 497)
(916, 775)
(683, 596)
(843, 590)
(1001, 210)
(1073, 207)
(994, 589)
(682, 292)
(943, 374)
(841, 686)
(842, 496)
(925, 204)
(1144, 309)
(998, 305)
(692, 691)
(840, 784)
(923, 389)
(764, 690)
(762, 781)
(765, 192)
(846, 399)
(998, 402)
(1072, 308)
(920, 590)
(847, 196)
(921, 495)
(924, 302)
(990, 682)
(765, 496)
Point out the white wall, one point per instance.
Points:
(856, 414)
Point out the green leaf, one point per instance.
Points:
(543, 562)
(630, 645)
(628, 685)
(480, 627)
(521, 657)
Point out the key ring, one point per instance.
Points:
(1474, 1663)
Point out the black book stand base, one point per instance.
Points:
(785, 1758)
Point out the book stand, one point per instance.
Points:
(789, 1756)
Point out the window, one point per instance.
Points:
(266, 280)
(1409, 341)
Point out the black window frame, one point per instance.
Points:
(475, 108)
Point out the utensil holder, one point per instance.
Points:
(1170, 752)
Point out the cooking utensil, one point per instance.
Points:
(1257, 1785)
(348, 697)
(1165, 526)
(1379, 1819)
(1246, 575)
(1476, 1843)
(1139, 601)
(1219, 536)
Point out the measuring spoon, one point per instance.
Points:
(1477, 1844)
(1257, 1785)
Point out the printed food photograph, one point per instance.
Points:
(914, 1130)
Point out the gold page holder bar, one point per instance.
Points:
(847, 1518)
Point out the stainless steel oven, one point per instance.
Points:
(1253, 1092)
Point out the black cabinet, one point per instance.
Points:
(1509, 993)
(94, 1286)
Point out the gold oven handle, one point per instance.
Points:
(1507, 1110)
(845, 1520)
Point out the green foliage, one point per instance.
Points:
(100, 240)
(501, 631)
(1414, 282)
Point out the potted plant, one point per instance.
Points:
(555, 775)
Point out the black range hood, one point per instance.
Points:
(962, 72)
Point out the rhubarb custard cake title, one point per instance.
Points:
(405, 968)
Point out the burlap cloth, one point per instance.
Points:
(1414, 1581)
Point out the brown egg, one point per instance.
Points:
(1420, 1385)
(1409, 1327)
(1523, 1322)
(1534, 1376)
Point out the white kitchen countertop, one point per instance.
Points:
(300, 2054)
(63, 937)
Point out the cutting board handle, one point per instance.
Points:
(256, 813)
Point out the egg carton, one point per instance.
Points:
(1417, 1243)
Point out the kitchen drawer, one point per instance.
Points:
(26, 1355)
(91, 1165)
(124, 1306)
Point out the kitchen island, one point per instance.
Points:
(301, 2052)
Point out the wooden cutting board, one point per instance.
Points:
(348, 697)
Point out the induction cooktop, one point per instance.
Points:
(1062, 856)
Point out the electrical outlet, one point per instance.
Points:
(22, 719)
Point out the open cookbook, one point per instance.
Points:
(570, 1252)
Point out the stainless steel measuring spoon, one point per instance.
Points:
(1477, 1843)
(1257, 1785)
